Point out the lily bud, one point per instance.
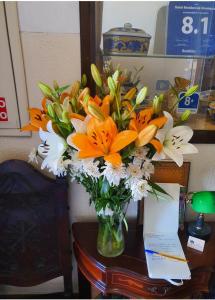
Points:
(50, 110)
(73, 101)
(146, 135)
(96, 75)
(114, 116)
(55, 84)
(84, 80)
(58, 110)
(157, 102)
(141, 95)
(130, 94)
(86, 91)
(96, 112)
(75, 88)
(111, 85)
(65, 117)
(115, 76)
(185, 116)
(67, 105)
(45, 89)
(191, 90)
(86, 99)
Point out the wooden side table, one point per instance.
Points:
(127, 274)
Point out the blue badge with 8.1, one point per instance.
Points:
(189, 102)
(191, 28)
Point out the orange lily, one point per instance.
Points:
(103, 105)
(37, 120)
(103, 139)
(141, 122)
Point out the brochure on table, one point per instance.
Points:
(161, 220)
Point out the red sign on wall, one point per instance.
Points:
(3, 110)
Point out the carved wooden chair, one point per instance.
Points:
(166, 172)
(34, 227)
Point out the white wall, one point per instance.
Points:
(51, 48)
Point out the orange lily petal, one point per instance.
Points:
(115, 159)
(76, 116)
(43, 103)
(63, 96)
(146, 135)
(105, 107)
(29, 127)
(123, 139)
(159, 122)
(157, 145)
(81, 141)
(97, 100)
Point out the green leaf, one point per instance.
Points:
(158, 188)
(105, 186)
(191, 90)
(62, 89)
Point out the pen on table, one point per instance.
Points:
(166, 255)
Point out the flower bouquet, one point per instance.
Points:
(107, 143)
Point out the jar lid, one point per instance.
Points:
(127, 30)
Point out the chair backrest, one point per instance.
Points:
(166, 172)
(34, 226)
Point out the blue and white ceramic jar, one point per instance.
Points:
(126, 40)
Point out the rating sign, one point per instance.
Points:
(3, 110)
(191, 102)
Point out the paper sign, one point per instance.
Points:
(196, 243)
(191, 28)
(3, 110)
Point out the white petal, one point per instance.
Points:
(174, 155)
(169, 123)
(183, 132)
(158, 156)
(188, 149)
(43, 134)
(49, 127)
(80, 126)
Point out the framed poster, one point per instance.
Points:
(191, 28)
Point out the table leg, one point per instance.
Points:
(84, 286)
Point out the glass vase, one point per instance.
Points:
(110, 240)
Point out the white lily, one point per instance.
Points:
(80, 127)
(52, 149)
(175, 141)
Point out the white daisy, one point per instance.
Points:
(140, 189)
(90, 167)
(114, 174)
(32, 157)
(148, 168)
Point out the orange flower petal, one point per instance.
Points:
(123, 139)
(63, 96)
(76, 116)
(43, 103)
(105, 107)
(97, 100)
(157, 145)
(29, 127)
(115, 159)
(159, 122)
(146, 135)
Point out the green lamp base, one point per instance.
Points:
(199, 228)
